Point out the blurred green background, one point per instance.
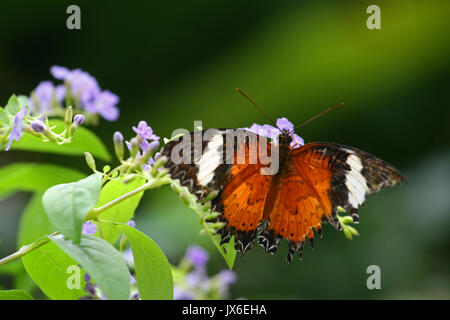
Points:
(175, 62)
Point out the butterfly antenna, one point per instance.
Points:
(317, 116)
(256, 106)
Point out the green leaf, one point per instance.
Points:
(227, 250)
(15, 295)
(48, 267)
(34, 177)
(12, 268)
(13, 105)
(153, 272)
(34, 223)
(22, 280)
(121, 212)
(84, 141)
(5, 121)
(67, 205)
(102, 262)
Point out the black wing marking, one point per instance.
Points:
(356, 174)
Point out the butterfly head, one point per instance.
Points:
(285, 137)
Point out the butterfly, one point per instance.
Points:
(311, 182)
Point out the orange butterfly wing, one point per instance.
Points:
(243, 197)
(243, 202)
(300, 203)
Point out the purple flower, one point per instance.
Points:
(105, 105)
(285, 124)
(132, 279)
(60, 73)
(226, 277)
(86, 91)
(145, 131)
(16, 130)
(128, 256)
(90, 288)
(129, 145)
(131, 223)
(44, 93)
(180, 294)
(297, 141)
(60, 92)
(197, 256)
(118, 137)
(79, 119)
(86, 297)
(149, 140)
(264, 130)
(38, 126)
(89, 228)
(83, 86)
(198, 279)
(273, 133)
(194, 278)
(135, 296)
(154, 145)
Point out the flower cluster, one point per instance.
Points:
(142, 147)
(80, 93)
(16, 118)
(94, 292)
(273, 133)
(191, 281)
(80, 90)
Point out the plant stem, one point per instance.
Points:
(151, 184)
(26, 249)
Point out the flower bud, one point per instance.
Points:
(68, 117)
(153, 146)
(207, 231)
(160, 161)
(79, 119)
(90, 160)
(216, 225)
(118, 137)
(206, 207)
(353, 231)
(38, 126)
(118, 144)
(347, 233)
(134, 147)
(346, 219)
(212, 215)
(211, 195)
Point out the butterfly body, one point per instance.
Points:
(311, 182)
